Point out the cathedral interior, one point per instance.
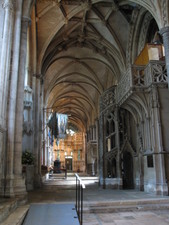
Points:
(103, 64)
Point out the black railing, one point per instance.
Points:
(79, 198)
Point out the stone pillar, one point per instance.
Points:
(37, 129)
(102, 151)
(6, 57)
(6, 182)
(161, 186)
(165, 34)
(84, 152)
(2, 160)
(140, 155)
(118, 160)
(94, 132)
(19, 184)
(97, 140)
(148, 134)
(45, 137)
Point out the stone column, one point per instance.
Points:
(102, 151)
(148, 134)
(37, 129)
(19, 184)
(140, 154)
(94, 132)
(97, 140)
(118, 160)
(45, 135)
(6, 57)
(165, 34)
(161, 186)
(12, 99)
(4, 85)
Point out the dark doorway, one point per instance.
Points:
(68, 163)
(128, 171)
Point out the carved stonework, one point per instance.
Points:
(123, 88)
(111, 154)
(164, 12)
(27, 97)
(130, 41)
(92, 150)
(27, 128)
(128, 145)
(145, 25)
(138, 76)
(28, 104)
(108, 98)
(155, 73)
(8, 4)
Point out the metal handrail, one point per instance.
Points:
(79, 198)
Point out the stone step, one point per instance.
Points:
(128, 202)
(126, 206)
(52, 188)
(17, 217)
(7, 206)
(114, 209)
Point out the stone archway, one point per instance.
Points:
(128, 182)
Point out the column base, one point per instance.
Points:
(162, 189)
(113, 183)
(6, 189)
(158, 189)
(19, 186)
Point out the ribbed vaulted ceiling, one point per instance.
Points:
(81, 50)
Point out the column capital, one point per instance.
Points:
(38, 76)
(164, 30)
(8, 4)
(26, 20)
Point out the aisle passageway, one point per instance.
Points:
(84, 89)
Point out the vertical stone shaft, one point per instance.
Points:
(13, 93)
(161, 187)
(165, 34)
(4, 85)
(20, 106)
(5, 58)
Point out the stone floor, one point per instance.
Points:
(105, 206)
(57, 189)
(160, 217)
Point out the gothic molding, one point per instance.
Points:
(111, 154)
(8, 4)
(28, 97)
(143, 32)
(131, 35)
(26, 21)
(164, 30)
(28, 128)
(38, 76)
(2, 130)
(127, 145)
(164, 12)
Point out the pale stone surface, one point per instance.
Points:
(17, 217)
